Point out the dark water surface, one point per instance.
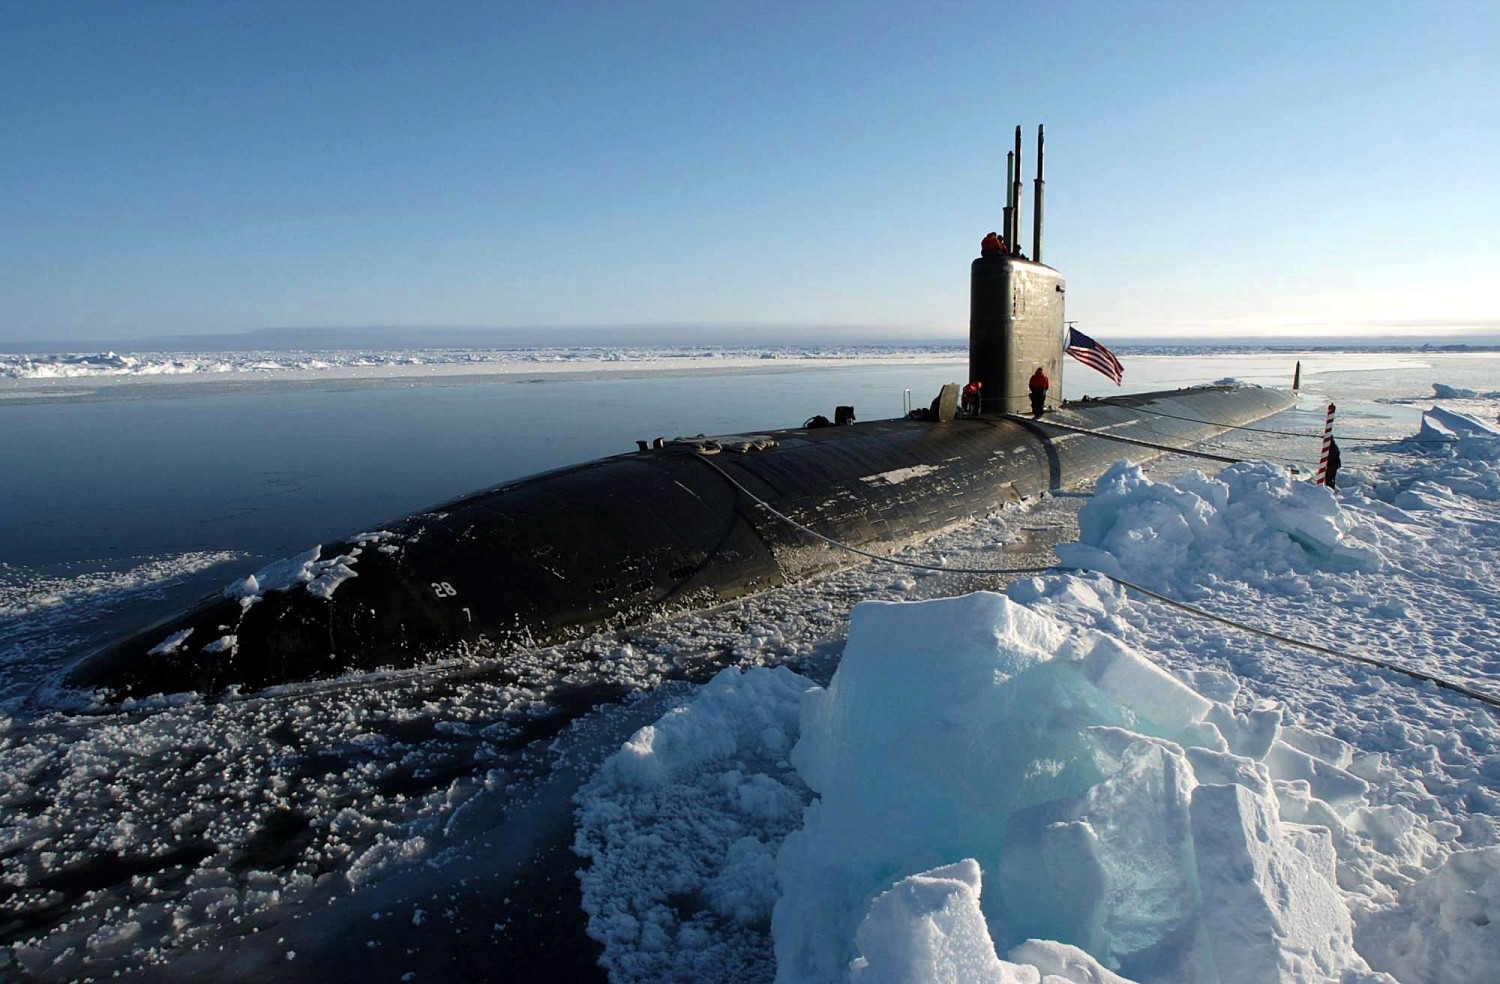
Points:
(274, 471)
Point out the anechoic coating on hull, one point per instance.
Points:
(619, 540)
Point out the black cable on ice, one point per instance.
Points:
(1126, 440)
(1267, 430)
(1313, 646)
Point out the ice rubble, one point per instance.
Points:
(694, 807)
(1445, 392)
(1092, 789)
(322, 577)
(963, 741)
(145, 364)
(1252, 522)
(1459, 455)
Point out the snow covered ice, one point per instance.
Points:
(495, 359)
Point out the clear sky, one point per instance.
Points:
(1213, 167)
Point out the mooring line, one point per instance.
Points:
(1018, 418)
(1289, 640)
(1266, 430)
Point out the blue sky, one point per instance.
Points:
(1236, 168)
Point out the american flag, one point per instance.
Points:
(1095, 356)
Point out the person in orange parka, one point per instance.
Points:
(1039, 385)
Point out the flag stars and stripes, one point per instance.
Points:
(1095, 356)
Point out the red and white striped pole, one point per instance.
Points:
(1322, 478)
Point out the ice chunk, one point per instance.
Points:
(928, 927)
(1271, 910)
(1250, 735)
(1427, 497)
(1329, 783)
(1455, 422)
(247, 587)
(223, 644)
(1142, 686)
(1051, 880)
(1139, 816)
(1326, 748)
(943, 719)
(1217, 685)
(1220, 768)
(1061, 962)
(330, 576)
(918, 662)
(171, 643)
(1434, 431)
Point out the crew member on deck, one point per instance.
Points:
(971, 398)
(1038, 385)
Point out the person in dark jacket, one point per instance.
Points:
(1334, 461)
(1038, 385)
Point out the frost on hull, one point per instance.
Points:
(558, 555)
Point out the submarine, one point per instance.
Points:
(684, 525)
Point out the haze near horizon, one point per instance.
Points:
(1270, 171)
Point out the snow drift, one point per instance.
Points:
(1252, 523)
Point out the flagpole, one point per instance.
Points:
(1322, 478)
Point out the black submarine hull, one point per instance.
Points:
(624, 539)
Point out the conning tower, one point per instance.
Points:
(1016, 305)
